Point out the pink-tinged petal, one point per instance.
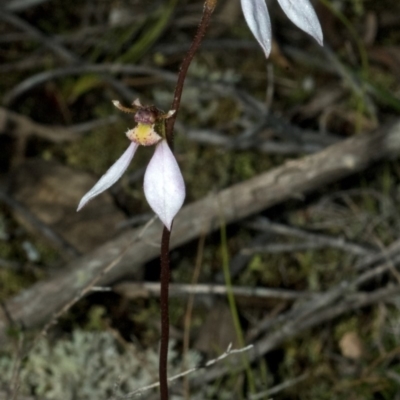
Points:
(111, 176)
(302, 14)
(256, 15)
(164, 187)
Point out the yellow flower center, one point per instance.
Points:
(143, 134)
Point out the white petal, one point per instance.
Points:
(111, 176)
(256, 14)
(164, 187)
(302, 14)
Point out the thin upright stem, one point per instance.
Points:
(165, 271)
(201, 30)
(164, 278)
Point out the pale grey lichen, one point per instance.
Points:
(87, 366)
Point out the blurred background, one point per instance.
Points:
(314, 279)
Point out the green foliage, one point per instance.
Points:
(96, 319)
(83, 85)
(151, 33)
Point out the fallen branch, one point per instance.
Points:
(311, 240)
(292, 180)
(85, 290)
(18, 125)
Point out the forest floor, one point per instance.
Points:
(289, 239)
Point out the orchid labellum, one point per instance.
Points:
(164, 187)
(300, 12)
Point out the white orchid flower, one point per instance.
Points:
(300, 12)
(164, 187)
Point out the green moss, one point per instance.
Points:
(96, 319)
(97, 151)
(11, 282)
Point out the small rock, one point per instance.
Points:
(351, 346)
(217, 332)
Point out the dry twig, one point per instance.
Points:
(229, 351)
(317, 240)
(133, 290)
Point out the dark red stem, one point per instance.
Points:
(165, 271)
(164, 279)
(201, 30)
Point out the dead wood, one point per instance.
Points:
(338, 300)
(294, 327)
(292, 180)
(134, 290)
(14, 124)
